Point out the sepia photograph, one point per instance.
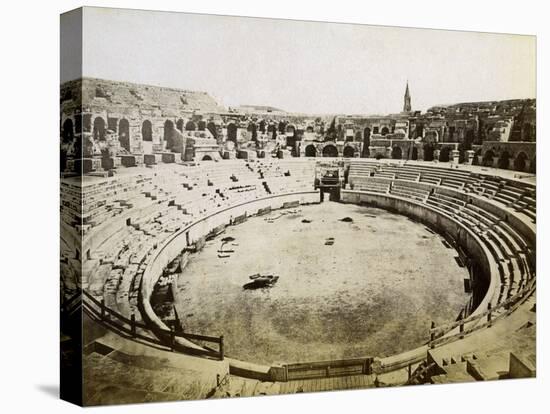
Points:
(256, 206)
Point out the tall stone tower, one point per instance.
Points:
(407, 100)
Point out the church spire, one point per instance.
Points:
(407, 99)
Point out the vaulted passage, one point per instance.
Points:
(124, 134)
(330, 151)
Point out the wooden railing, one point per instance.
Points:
(439, 335)
(134, 329)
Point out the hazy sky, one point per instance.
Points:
(306, 66)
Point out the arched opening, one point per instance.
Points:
(211, 126)
(330, 151)
(419, 131)
(147, 131)
(366, 142)
(488, 158)
(397, 153)
(262, 126)
(253, 129)
(428, 152)
(349, 152)
(358, 136)
(124, 134)
(385, 131)
(414, 155)
(520, 161)
(311, 151)
(168, 134)
(190, 126)
(179, 125)
(99, 129)
(309, 128)
(232, 132)
(504, 160)
(207, 158)
(379, 156)
(444, 155)
(281, 127)
(201, 125)
(67, 134)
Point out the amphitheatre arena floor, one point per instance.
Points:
(374, 292)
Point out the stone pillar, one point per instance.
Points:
(495, 162)
(388, 152)
(455, 156)
(436, 155)
(468, 159)
(479, 159)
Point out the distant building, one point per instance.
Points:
(407, 100)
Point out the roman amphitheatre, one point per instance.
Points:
(249, 251)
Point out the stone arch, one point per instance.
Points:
(232, 132)
(520, 161)
(488, 158)
(99, 129)
(168, 135)
(445, 154)
(309, 128)
(179, 125)
(147, 131)
(190, 126)
(281, 127)
(211, 126)
(397, 153)
(429, 152)
(206, 158)
(311, 151)
(330, 150)
(201, 125)
(504, 160)
(67, 132)
(124, 134)
(414, 155)
(349, 151)
(385, 131)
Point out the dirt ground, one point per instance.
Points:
(373, 292)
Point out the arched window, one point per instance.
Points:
(124, 134)
(179, 125)
(520, 162)
(330, 151)
(168, 135)
(349, 152)
(67, 133)
(99, 129)
(444, 155)
(311, 151)
(397, 153)
(385, 131)
(190, 126)
(488, 158)
(232, 132)
(504, 160)
(147, 131)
